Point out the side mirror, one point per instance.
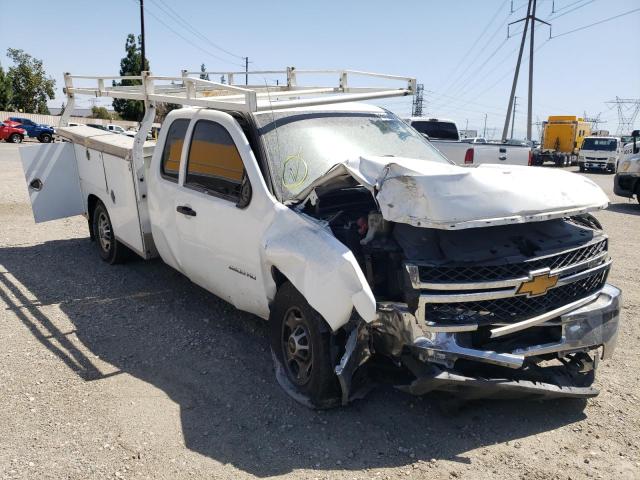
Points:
(635, 134)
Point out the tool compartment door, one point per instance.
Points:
(121, 201)
(52, 179)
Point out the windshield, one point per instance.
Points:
(606, 144)
(439, 130)
(302, 146)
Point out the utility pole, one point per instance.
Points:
(484, 130)
(143, 63)
(505, 130)
(418, 101)
(246, 71)
(531, 17)
(513, 117)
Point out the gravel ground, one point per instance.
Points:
(134, 372)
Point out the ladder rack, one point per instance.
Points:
(189, 91)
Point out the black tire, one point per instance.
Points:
(45, 138)
(110, 249)
(582, 169)
(302, 343)
(14, 138)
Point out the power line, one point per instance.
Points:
(169, 10)
(569, 11)
(473, 62)
(597, 23)
(159, 20)
(475, 42)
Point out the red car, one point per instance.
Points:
(11, 133)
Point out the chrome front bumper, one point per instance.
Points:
(587, 327)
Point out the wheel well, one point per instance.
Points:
(92, 201)
(278, 277)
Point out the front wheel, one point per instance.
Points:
(110, 249)
(15, 138)
(301, 342)
(45, 138)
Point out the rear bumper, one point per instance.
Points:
(588, 327)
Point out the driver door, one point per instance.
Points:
(219, 236)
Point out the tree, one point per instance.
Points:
(100, 112)
(30, 83)
(6, 91)
(203, 75)
(130, 65)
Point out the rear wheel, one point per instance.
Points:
(111, 250)
(301, 342)
(15, 138)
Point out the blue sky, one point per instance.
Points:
(458, 49)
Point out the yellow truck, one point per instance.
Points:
(562, 137)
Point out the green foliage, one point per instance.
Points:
(130, 65)
(163, 109)
(100, 112)
(30, 84)
(6, 91)
(203, 75)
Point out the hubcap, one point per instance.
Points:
(296, 346)
(104, 231)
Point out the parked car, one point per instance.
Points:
(44, 133)
(11, 132)
(97, 125)
(444, 135)
(115, 128)
(371, 254)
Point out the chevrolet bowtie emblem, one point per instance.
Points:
(538, 285)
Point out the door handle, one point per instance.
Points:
(502, 157)
(188, 211)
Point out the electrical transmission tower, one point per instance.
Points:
(628, 109)
(418, 101)
(595, 121)
(529, 22)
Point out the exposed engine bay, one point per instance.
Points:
(482, 312)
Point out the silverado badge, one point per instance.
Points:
(538, 284)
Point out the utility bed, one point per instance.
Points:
(92, 163)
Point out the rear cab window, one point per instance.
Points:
(170, 164)
(437, 130)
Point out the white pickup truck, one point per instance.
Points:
(371, 255)
(626, 183)
(444, 135)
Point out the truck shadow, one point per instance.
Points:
(149, 321)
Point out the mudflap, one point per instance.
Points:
(431, 378)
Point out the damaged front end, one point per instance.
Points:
(503, 311)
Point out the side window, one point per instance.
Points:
(170, 165)
(214, 163)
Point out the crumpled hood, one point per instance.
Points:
(440, 195)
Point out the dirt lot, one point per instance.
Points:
(134, 372)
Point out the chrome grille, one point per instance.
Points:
(516, 308)
(484, 273)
